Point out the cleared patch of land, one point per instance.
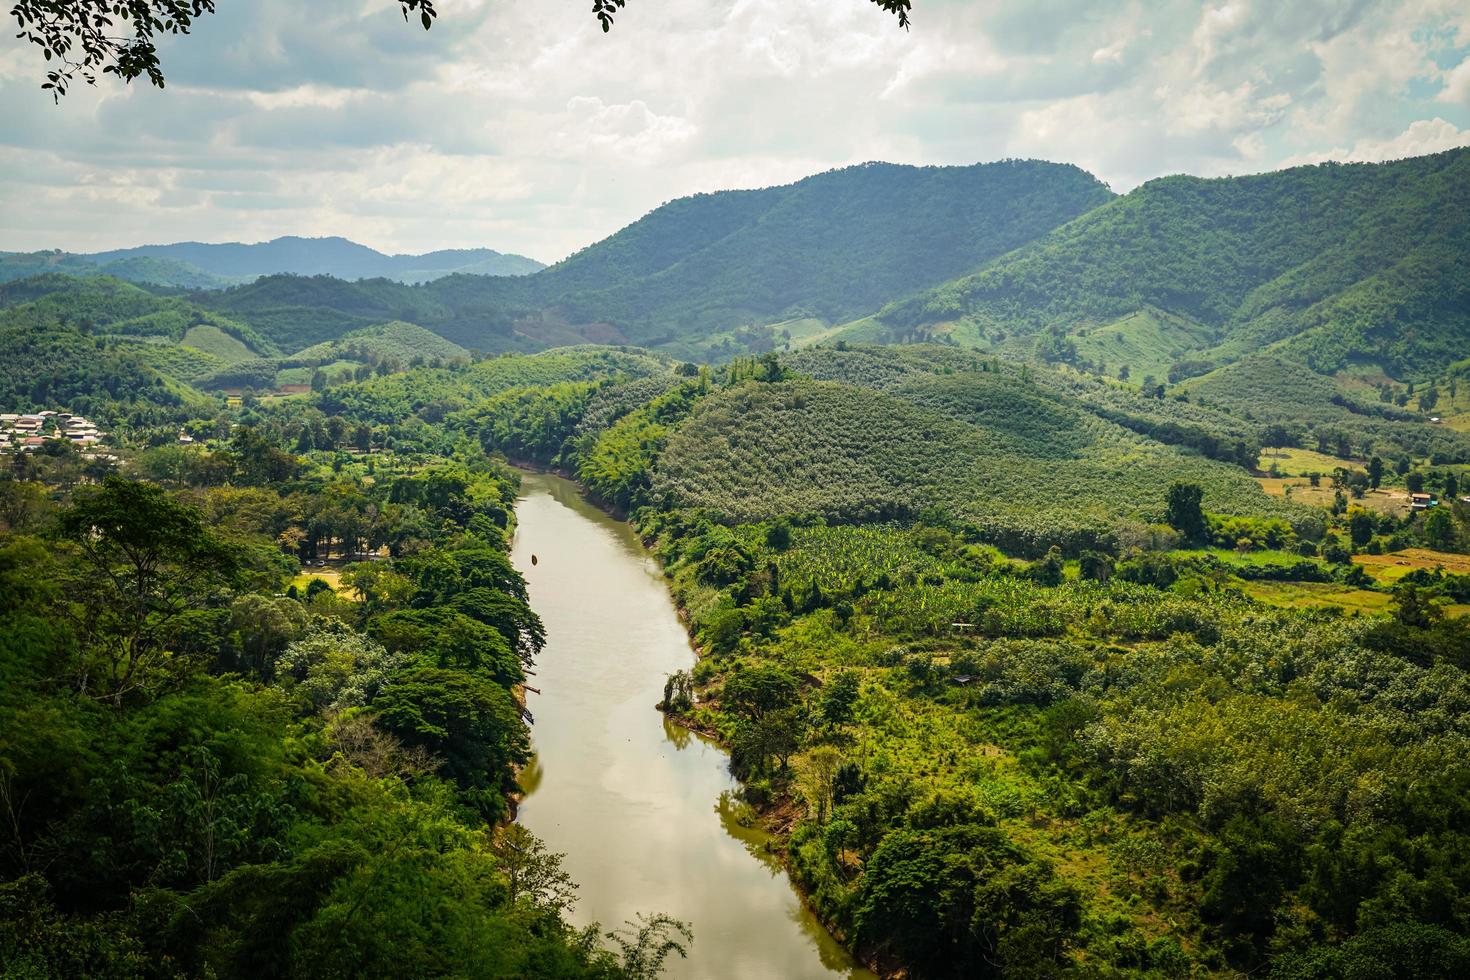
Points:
(1299, 490)
(1148, 342)
(1391, 567)
(332, 576)
(1301, 462)
(1317, 595)
(213, 340)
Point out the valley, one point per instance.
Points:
(1033, 581)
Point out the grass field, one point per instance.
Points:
(868, 330)
(213, 340)
(1317, 595)
(804, 331)
(1231, 557)
(1300, 462)
(1394, 566)
(336, 372)
(1148, 342)
(332, 576)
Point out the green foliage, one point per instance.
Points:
(990, 756)
(962, 902)
(203, 777)
(473, 724)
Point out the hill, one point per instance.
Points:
(104, 305)
(397, 341)
(1334, 266)
(989, 443)
(54, 367)
(73, 339)
(1029, 456)
(708, 274)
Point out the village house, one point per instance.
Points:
(1422, 501)
(30, 431)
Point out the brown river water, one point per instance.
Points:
(643, 810)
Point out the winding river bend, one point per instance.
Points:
(642, 809)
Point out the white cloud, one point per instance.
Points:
(523, 127)
(1456, 85)
(1423, 136)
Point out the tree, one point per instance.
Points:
(1095, 565)
(757, 691)
(532, 872)
(839, 697)
(119, 37)
(264, 625)
(471, 723)
(1414, 482)
(1375, 472)
(1413, 607)
(1277, 435)
(816, 773)
(1048, 569)
(964, 901)
(678, 692)
(1439, 529)
(1360, 527)
(1184, 513)
(645, 944)
(147, 560)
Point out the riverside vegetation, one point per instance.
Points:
(206, 770)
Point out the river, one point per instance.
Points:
(642, 809)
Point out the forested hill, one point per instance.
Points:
(832, 247)
(1341, 265)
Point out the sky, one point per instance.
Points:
(520, 126)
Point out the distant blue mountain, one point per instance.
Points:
(326, 257)
(196, 265)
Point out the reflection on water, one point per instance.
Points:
(645, 811)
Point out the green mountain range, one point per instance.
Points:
(1355, 275)
(693, 274)
(1362, 267)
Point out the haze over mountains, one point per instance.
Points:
(197, 265)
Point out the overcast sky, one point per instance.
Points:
(522, 127)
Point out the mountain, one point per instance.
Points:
(1336, 267)
(326, 256)
(710, 274)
